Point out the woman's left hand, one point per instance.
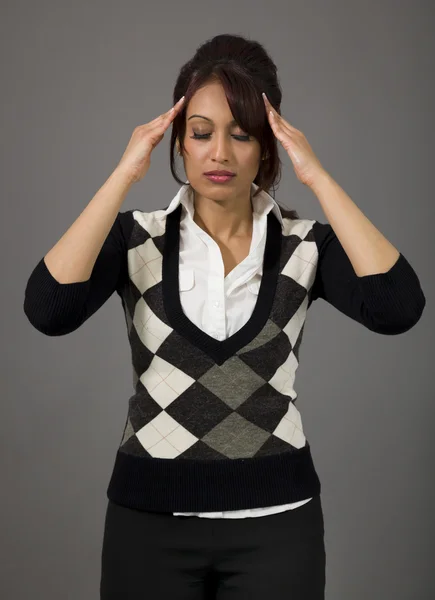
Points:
(305, 163)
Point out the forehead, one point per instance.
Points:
(210, 101)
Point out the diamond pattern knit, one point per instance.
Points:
(210, 407)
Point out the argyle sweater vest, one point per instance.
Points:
(212, 424)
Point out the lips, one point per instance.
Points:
(221, 173)
(219, 178)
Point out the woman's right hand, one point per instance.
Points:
(137, 156)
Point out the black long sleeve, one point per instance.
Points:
(55, 308)
(388, 303)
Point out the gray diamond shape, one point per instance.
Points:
(269, 331)
(128, 432)
(235, 437)
(233, 382)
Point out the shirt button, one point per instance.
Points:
(216, 304)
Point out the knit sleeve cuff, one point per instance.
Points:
(53, 307)
(394, 297)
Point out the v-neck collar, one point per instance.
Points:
(218, 350)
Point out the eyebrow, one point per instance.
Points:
(233, 122)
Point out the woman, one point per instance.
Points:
(214, 493)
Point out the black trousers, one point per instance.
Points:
(160, 556)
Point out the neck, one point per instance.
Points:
(224, 219)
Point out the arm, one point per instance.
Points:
(72, 258)
(360, 272)
(367, 249)
(388, 303)
(85, 266)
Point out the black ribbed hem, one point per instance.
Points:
(395, 297)
(184, 485)
(47, 301)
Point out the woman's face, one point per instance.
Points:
(224, 146)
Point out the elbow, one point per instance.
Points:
(50, 327)
(415, 317)
(395, 325)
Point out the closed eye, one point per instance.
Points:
(203, 136)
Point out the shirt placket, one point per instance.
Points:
(216, 322)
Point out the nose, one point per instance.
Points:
(220, 149)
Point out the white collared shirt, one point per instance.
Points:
(219, 305)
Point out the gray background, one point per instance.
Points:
(357, 79)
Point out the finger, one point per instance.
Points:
(166, 119)
(282, 124)
(172, 113)
(277, 128)
(269, 106)
(177, 106)
(273, 123)
(275, 114)
(272, 114)
(169, 113)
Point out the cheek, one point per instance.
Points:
(254, 151)
(252, 157)
(195, 151)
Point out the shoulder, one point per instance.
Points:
(309, 230)
(322, 232)
(129, 222)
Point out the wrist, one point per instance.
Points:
(123, 177)
(322, 179)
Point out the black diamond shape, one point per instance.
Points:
(265, 408)
(133, 446)
(202, 451)
(141, 356)
(142, 408)
(288, 298)
(138, 236)
(159, 241)
(275, 445)
(258, 359)
(179, 352)
(153, 297)
(198, 410)
(130, 296)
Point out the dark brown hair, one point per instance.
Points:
(245, 70)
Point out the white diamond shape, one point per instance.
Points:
(164, 437)
(300, 265)
(149, 222)
(284, 377)
(145, 265)
(151, 331)
(295, 324)
(288, 431)
(164, 382)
